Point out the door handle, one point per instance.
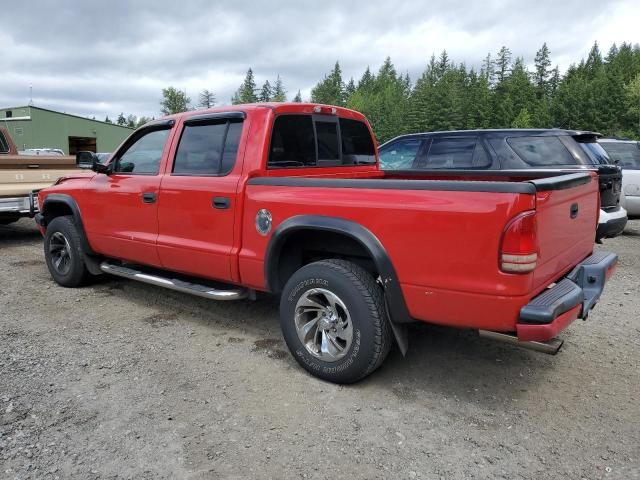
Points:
(573, 212)
(221, 203)
(149, 197)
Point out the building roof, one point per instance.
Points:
(33, 107)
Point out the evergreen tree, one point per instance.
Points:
(246, 93)
(265, 92)
(132, 120)
(542, 73)
(330, 90)
(594, 61)
(121, 120)
(488, 70)
(298, 97)
(501, 64)
(522, 120)
(279, 94)
(142, 120)
(174, 101)
(207, 99)
(632, 104)
(350, 89)
(107, 119)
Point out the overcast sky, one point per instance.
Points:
(106, 57)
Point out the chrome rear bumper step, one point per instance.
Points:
(178, 285)
(550, 347)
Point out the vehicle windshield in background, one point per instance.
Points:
(596, 153)
(401, 156)
(624, 154)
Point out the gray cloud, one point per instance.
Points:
(97, 59)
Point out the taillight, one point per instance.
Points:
(519, 248)
(325, 110)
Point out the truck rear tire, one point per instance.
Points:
(63, 253)
(334, 320)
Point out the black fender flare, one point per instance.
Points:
(68, 201)
(398, 311)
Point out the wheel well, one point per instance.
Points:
(56, 209)
(302, 247)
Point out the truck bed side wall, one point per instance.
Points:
(448, 239)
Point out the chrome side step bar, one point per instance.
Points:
(551, 347)
(174, 283)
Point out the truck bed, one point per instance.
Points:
(443, 233)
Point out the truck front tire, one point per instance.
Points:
(334, 320)
(63, 252)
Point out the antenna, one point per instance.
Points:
(30, 94)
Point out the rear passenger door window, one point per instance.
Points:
(451, 153)
(400, 155)
(207, 148)
(541, 151)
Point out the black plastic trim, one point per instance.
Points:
(75, 210)
(158, 124)
(399, 313)
(562, 182)
(552, 303)
(583, 286)
(216, 116)
(611, 229)
(389, 184)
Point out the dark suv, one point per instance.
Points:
(513, 149)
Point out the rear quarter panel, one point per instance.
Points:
(440, 243)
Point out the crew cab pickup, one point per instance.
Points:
(288, 199)
(20, 174)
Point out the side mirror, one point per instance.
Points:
(99, 167)
(86, 159)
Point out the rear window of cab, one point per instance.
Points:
(319, 141)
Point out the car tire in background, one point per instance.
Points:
(334, 321)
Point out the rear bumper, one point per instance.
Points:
(572, 297)
(611, 224)
(632, 205)
(19, 206)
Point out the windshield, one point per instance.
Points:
(624, 154)
(596, 153)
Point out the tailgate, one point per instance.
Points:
(567, 209)
(17, 183)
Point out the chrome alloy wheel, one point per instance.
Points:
(60, 252)
(323, 324)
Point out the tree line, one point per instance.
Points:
(600, 93)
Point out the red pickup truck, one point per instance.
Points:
(289, 199)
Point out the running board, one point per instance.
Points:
(551, 347)
(174, 283)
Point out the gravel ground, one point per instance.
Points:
(125, 380)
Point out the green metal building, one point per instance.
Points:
(35, 127)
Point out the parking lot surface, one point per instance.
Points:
(125, 380)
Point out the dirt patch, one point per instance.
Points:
(269, 346)
(89, 391)
(163, 319)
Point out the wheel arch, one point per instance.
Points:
(59, 204)
(356, 233)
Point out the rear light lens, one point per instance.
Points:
(325, 110)
(519, 248)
